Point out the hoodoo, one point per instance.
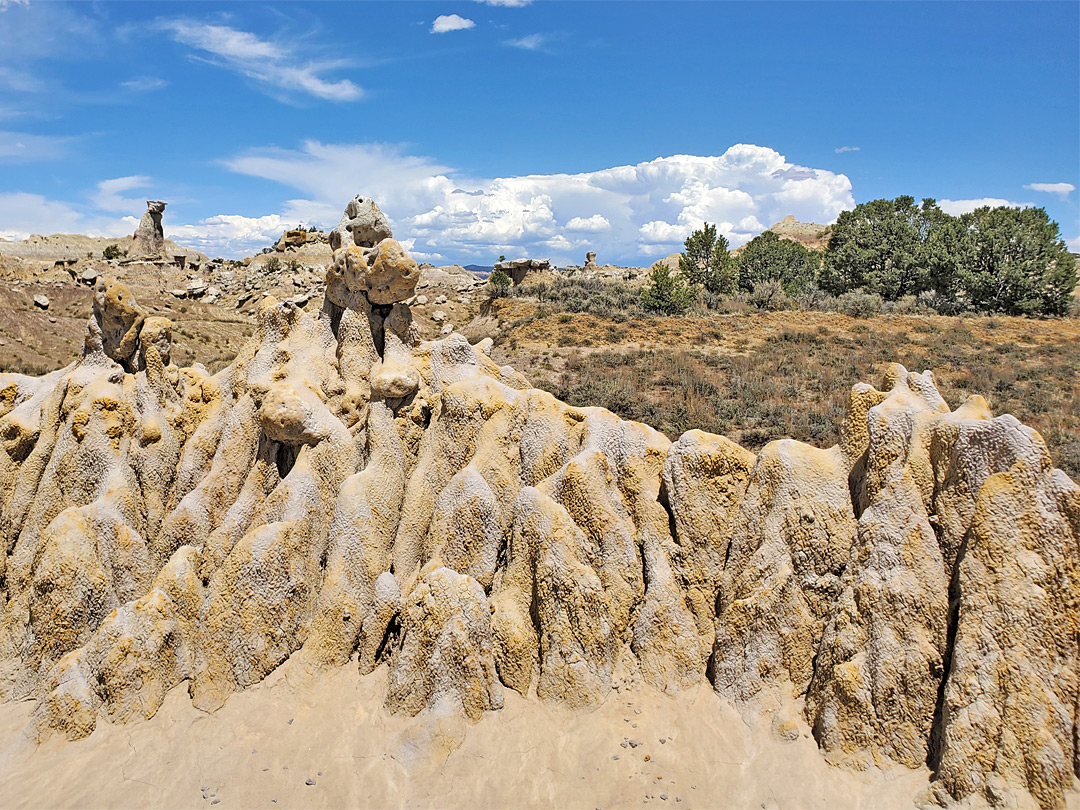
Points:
(345, 491)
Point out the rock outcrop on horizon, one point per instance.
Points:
(149, 237)
(345, 491)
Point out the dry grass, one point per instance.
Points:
(759, 377)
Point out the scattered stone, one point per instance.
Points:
(309, 781)
(41, 301)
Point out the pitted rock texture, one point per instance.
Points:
(346, 492)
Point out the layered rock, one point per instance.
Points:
(345, 491)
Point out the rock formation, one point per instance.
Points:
(590, 260)
(345, 491)
(517, 269)
(149, 236)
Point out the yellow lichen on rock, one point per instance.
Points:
(346, 493)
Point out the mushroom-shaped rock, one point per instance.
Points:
(362, 224)
(294, 414)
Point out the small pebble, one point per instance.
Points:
(678, 798)
(647, 758)
(615, 757)
(634, 743)
(623, 743)
(634, 725)
(320, 773)
(309, 782)
(290, 720)
(663, 740)
(637, 711)
(663, 796)
(254, 750)
(216, 801)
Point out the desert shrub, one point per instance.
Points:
(815, 299)
(273, 265)
(941, 304)
(907, 305)
(859, 304)
(666, 293)
(113, 252)
(769, 295)
(293, 266)
(498, 284)
(604, 298)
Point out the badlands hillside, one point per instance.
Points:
(367, 564)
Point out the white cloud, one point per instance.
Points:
(273, 64)
(958, 207)
(1061, 189)
(597, 223)
(623, 212)
(627, 214)
(841, 149)
(532, 42)
(450, 22)
(505, 3)
(108, 198)
(5, 4)
(24, 147)
(1073, 244)
(144, 84)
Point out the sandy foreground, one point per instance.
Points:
(295, 742)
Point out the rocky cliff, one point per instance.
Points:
(345, 491)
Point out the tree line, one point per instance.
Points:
(1008, 260)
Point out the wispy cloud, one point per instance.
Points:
(532, 42)
(841, 149)
(273, 64)
(450, 22)
(144, 84)
(109, 198)
(505, 3)
(1061, 189)
(5, 4)
(24, 147)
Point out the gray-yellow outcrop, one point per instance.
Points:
(347, 492)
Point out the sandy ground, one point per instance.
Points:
(264, 745)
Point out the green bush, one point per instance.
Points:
(273, 264)
(498, 284)
(665, 293)
(113, 252)
(767, 257)
(707, 263)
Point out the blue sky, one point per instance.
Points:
(529, 128)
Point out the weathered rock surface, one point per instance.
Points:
(150, 236)
(346, 491)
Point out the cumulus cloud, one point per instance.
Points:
(625, 213)
(532, 42)
(275, 65)
(597, 223)
(841, 149)
(1073, 244)
(958, 207)
(451, 22)
(1061, 189)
